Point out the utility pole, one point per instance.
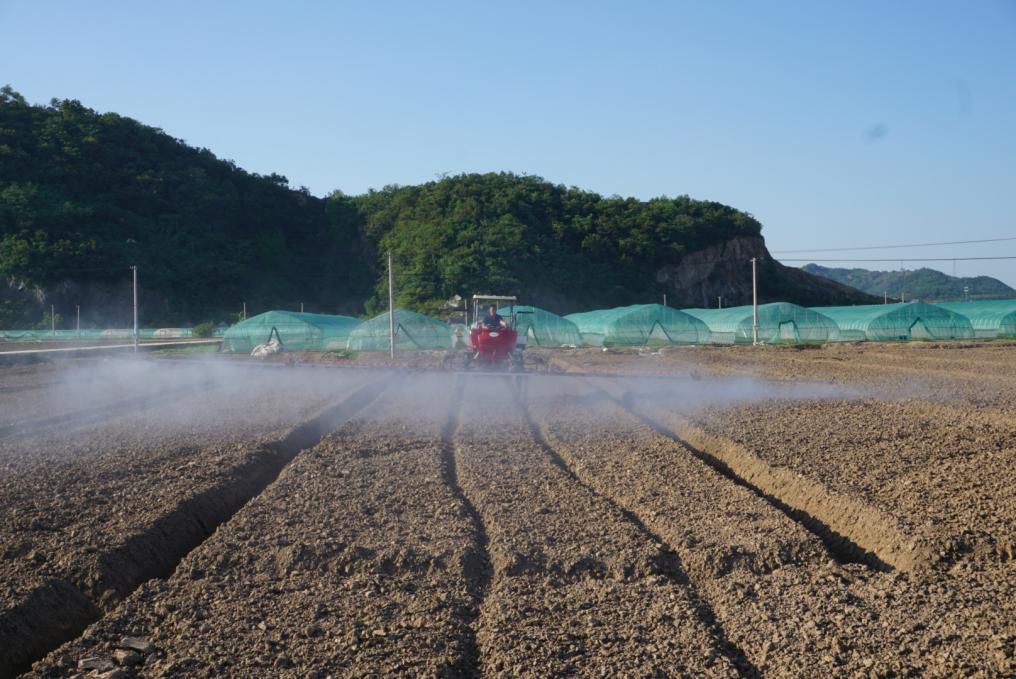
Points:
(664, 299)
(391, 309)
(903, 298)
(966, 293)
(719, 302)
(52, 318)
(134, 269)
(79, 319)
(301, 307)
(754, 301)
(245, 311)
(885, 297)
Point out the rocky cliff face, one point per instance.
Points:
(724, 270)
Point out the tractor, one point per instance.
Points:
(495, 348)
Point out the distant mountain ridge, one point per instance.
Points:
(926, 285)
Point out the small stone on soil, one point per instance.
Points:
(139, 644)
(127, 658)
(96, 663)
(118, 673)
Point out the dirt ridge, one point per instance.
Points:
(477, 563)
(671, 570)
(28, 631)
(851, 529)
(103, 412)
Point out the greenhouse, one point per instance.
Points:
(296, 331)
(887, 322)
(413, 332)
(546, 329)
(638, 325)
(989, 318)
(778, 322)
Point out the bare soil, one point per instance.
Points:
(97, 504)
(730, 511)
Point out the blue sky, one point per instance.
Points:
(835, 123)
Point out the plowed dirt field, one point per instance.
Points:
(711, 512)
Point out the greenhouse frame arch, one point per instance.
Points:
(989, 318)
(544, 328)
(639, 324)
(413, 332)
(898, 322)
(296, 331)
(779, 322)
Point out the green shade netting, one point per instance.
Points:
(413, 332)
(94, 334)
(989, 318)
(887, 322)
(297, 331)
(544, 328)
(65, 334)
(639, 324)
(779, 322)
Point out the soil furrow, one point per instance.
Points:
(908, 466)
(29, 631)
(335, 569)
(577, 588)
(853, 531)
(477, 564)
(100, 413)
(749, 562)
(674, 572)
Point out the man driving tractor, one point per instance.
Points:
(493, 320)
(493, 341)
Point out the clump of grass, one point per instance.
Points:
(206, 329)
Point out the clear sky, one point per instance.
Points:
(834, 123)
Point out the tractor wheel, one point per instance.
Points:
(516, 363)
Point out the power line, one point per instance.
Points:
(892, 247)
(903, 259)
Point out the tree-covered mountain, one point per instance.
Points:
(559, 247)
(84, 195)
(566, 249)
(922, 284)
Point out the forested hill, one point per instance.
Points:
(562, 248)
(920, 284)
(565, 249)
(84, 195)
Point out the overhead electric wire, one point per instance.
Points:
(892, 247)
(902, 259)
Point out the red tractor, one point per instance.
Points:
(495, 348)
